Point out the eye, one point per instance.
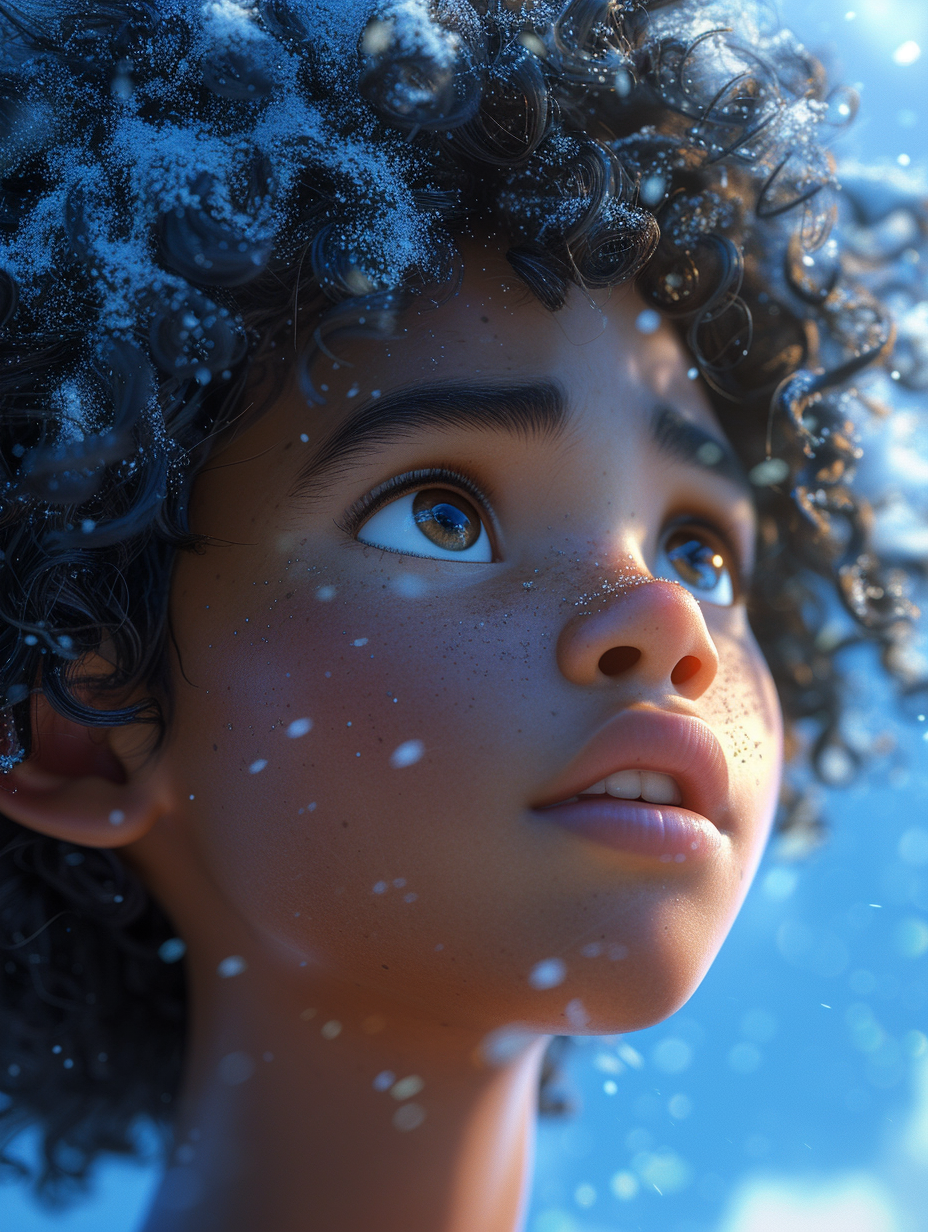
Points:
(433, 522)
(697, 559)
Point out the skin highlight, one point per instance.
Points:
(272, 846)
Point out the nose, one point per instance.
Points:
(653, 636)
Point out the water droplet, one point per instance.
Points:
(672, 1056)
(680, 1107)
(257, 766)
(172, 950)
(907, 53)
(299, 727)
(771, 471)
(624, 1185)
(709, 454)
(585, 1194)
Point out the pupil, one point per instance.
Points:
(449, 521)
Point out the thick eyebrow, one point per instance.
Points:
(526, 409)
(680, 438)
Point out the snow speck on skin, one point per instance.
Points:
(409, 1116)
(576, 1014)
(231, 966)
(406, 1088)
(504, 1044)
(647, 321)
(409, 586)
(236, 1068)
(257, 766)
(299, 727)
(548, 973)
(407, 754)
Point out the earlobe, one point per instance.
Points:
(76, 787)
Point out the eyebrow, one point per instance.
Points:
(534, 409)
(685, 441)
(527, 409)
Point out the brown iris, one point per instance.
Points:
(698, 564)
(447, 519)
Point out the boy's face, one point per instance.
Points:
(480, 640)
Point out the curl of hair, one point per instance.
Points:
(185, 188)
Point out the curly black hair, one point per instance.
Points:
(193, 195)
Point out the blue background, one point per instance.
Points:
(792, 1091)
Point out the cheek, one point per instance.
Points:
(346, 758)
(744, 711)
(389, 842)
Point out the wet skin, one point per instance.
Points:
(426, 894)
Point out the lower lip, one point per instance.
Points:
(659, 832)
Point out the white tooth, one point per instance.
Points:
(659, 788)
(626, 784)
(596, 790)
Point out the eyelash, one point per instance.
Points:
(364, 508)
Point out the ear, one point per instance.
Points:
(90, 786)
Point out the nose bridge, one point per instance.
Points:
(653, 632)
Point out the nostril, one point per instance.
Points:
(685, 670)
(618, 660)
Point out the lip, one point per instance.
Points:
(646, 739)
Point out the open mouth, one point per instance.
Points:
(649, 785)
(611, 795)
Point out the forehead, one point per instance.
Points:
(490, 359)
(601, 352)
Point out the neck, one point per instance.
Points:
(285, 1124)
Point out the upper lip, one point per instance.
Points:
(649, 739)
